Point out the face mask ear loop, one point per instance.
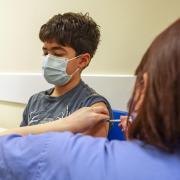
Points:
(77, 68)
(74, 58)
(75, 72)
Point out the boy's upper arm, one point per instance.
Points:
(100, 130)
(97, 100)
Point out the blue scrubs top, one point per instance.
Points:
(65, 156)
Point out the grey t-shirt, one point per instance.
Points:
(43, 108)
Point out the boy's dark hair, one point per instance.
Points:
(74, 30)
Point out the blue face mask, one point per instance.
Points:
(55, 70)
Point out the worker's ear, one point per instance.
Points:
(145, 80)
(140, 92)
(84, 60)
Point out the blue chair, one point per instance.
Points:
(115, 132)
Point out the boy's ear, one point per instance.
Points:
(84, 60)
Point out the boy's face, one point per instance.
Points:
(58, 50)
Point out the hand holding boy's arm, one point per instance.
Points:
(101, 129)
(79, 121)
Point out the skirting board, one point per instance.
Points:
(18, 87)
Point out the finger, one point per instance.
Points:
(120, 125)
(123, 117)
(102, 117)
(100, 109)
(123, 121)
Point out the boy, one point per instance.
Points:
(69, 41)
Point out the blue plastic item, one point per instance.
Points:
(115, 132)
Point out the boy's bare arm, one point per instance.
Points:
(100, 130)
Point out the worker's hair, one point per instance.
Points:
(158, 118)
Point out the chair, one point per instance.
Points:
(115, 132)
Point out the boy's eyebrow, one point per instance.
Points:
(55, 48)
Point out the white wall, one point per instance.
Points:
(25, 84)
(127, 27)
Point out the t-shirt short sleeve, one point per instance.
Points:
(95, 98)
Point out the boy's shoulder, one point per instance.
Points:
(86, 87)
(41, 94)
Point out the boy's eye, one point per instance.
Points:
(59, 54)
(44, 54)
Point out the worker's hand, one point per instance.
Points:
(86, 118)
(124, 124)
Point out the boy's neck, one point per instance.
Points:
(61, 90)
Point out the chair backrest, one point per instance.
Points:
(115, 132)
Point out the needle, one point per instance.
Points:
(113, 120)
